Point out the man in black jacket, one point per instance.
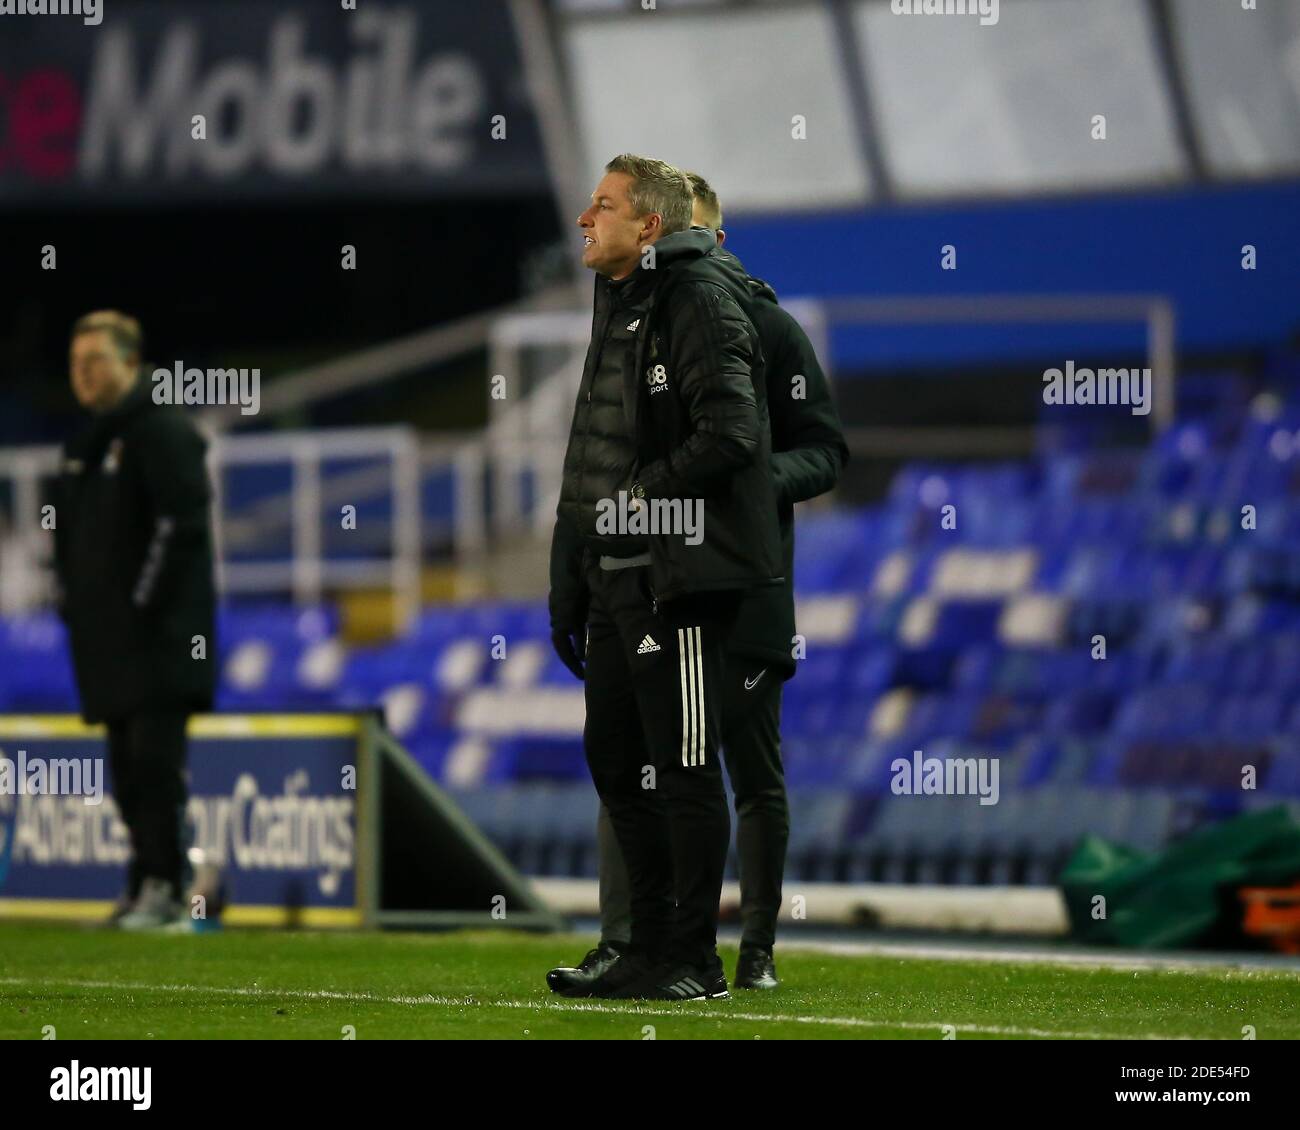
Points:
(133, 553)
(667, 516)
(807, 453)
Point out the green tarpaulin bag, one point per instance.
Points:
(1185, 895)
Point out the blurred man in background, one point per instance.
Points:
(669, 410)
(808, 452)
(133, 553)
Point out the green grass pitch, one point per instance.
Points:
(248, 984)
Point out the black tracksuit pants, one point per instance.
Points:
(146, 754)
(654, 714)
(751, 749)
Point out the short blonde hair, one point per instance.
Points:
(122, 328)
(708, 200)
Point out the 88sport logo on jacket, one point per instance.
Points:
(656, 376)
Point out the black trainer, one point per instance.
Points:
(576, 981)
(684, 982)
(756, 969)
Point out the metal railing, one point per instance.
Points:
(308, 570)
(505, 480)
(376, 365)
(26, 545)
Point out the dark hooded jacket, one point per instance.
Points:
(808, 453)
(133, 554)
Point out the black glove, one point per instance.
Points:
(571, 646)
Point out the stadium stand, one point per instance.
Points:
(985, 640)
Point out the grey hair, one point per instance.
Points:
(656, 187)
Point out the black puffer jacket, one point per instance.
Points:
(133, 552)
(601, 454)
(695, 404)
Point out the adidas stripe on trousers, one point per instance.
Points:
(751, 753)
(653, 693)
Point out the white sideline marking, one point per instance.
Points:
(1251, 965)
(631, 1008)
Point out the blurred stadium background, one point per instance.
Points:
(926, 139)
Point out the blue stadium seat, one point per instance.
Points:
(1146, 548)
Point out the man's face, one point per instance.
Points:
(614, 235)
(100, 375)
(700, 220)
